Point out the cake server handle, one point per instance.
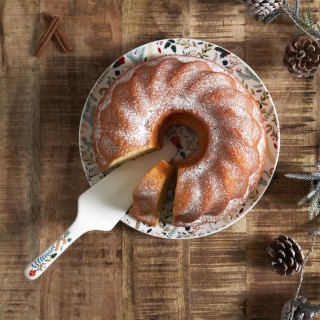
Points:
(102, 206)
(53, 252)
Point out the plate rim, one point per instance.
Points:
(242, 215)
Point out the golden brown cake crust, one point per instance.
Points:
(153, 95)
(149, 195)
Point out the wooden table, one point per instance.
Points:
(124, 274)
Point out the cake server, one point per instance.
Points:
(102, 206)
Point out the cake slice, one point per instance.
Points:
(149, 195)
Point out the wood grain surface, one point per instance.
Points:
(124, 274)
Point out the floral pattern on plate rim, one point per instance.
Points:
(180, 136)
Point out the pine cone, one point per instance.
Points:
(302, 56)
(285, 256)
(298, 313)
(262, 8)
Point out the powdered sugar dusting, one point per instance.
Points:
(132, 121)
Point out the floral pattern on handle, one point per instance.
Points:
(49, 256)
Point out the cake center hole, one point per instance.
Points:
(185, 139)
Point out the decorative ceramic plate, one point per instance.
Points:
(184, 138)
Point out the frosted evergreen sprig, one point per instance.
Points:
(306, 306)
(303, 20)
(314, 209)
(313, 197)
(305, 23)
(315, 165)
(302, 176)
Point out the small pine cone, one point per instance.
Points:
(302, 56)
(298, 313)
(262, 8)
(284, 256)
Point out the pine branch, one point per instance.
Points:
(308, 27)
(314, 195)
(314, 209)
(300, 176)
(306, 306)
(305, 23)
(316, 165)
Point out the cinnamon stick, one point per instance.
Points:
(47, 36)
(61, 37)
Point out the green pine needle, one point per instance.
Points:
(308, 18)
(300, 176)
(314, 195)
(316, 165)
(303, 201)
(314, 209)
(297, 7)
(307, 198)
(272, 16)
(314, 232)
(297, 33)
(311, 194)
(305, 22)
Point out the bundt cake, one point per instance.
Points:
(153, 95)
(149, 195)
